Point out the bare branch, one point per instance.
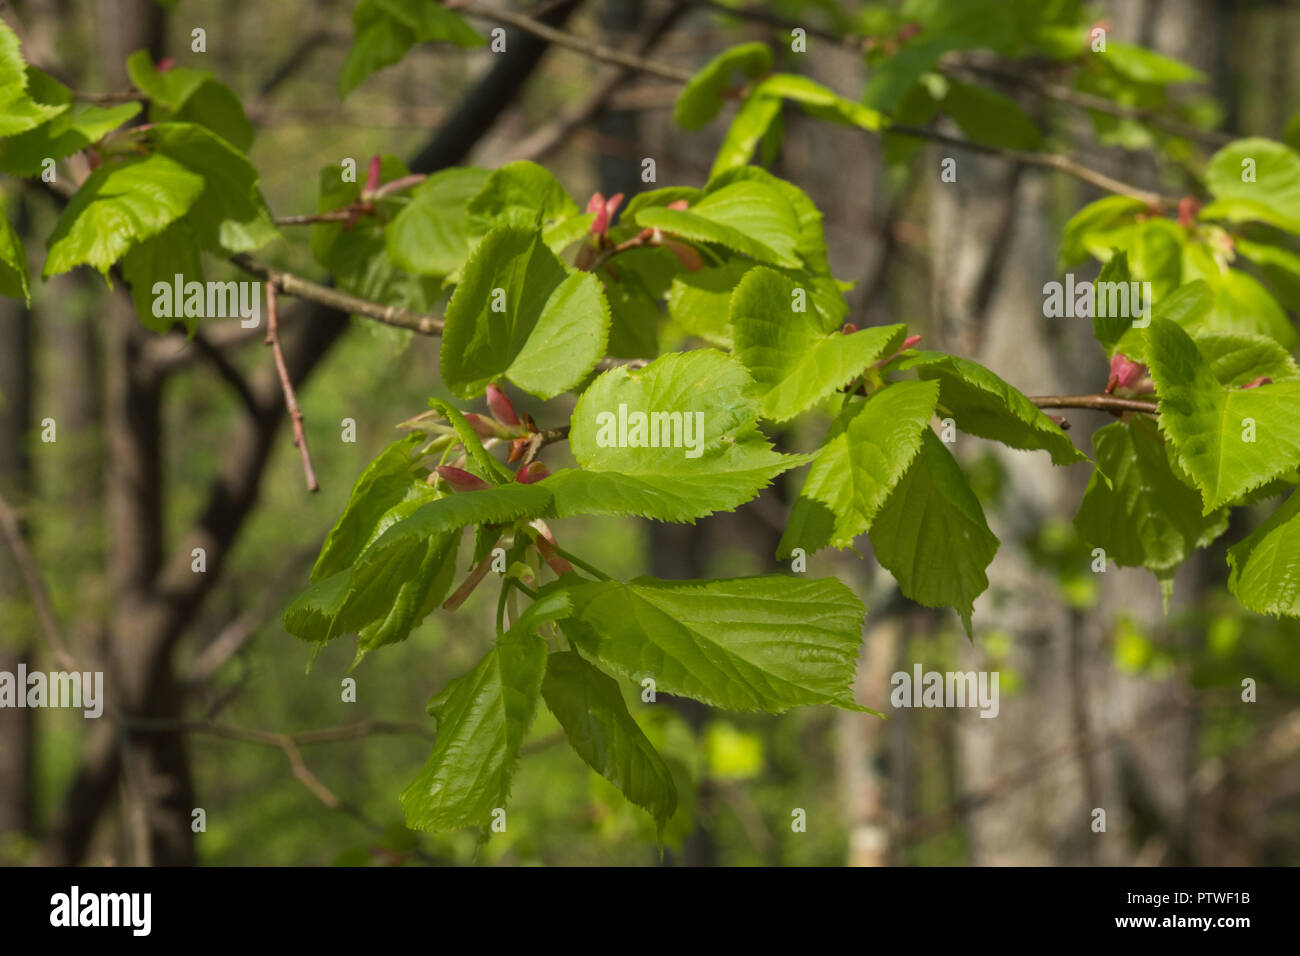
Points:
(290, 400)
(12, 528)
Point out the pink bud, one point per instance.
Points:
(533, 472)
(596, 204)
(461, 480)
(1257, 382)
(500, 407)
(909, 342)
(372, 177)
(1124, 373)
(482, 427)
(165, 64)
(1060, 421)
(678, 204)
(849, 328)
(1188, 207)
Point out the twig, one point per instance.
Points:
(596, 51)
(35, 586)
(290, 400)
(290, 284)
(1102, 403)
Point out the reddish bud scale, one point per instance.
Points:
(500, 406)
(460, 480)
(532, 472)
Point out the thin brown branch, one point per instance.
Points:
(12, 528)
(1101, 403)
(290, 399)
(290, 284)
(597, 51)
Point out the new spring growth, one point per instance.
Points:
(533, 471)
(500, 406)
(1128, 378)
(458, 479)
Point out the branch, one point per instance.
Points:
(290, 400)
(596, 51)
(291, 284)
(1101, 403)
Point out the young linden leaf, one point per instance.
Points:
(24, 155)
(752, 218)
(430, 235)
(387, 482)
(699, 302)
(931, 534)
(1097, 217)
(753, 121)
(160, 258)
(358, 258)
(482, 719)
(765, 643)
(674, 441)
(701, 98)
(590, 707)
(986, 116)
(1241, 302)
(519, 312)
(1265, 574)
(231, 214)
(186, 95)
(385, 30)
(1141, 513)
(21, 108)
(120, 204)
(1272, 195)
(1229, 440)
(794, 362)
(868, 450)
(13, 263)
(1237, 358)
(983, 404)
(521, 194)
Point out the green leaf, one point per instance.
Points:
(696, 451)
(1099, 216)
(1136, 507)
(1241, 303)
(312, 613)
(13, 264)
(385, 30)
(430, 236)
(793, 361)
(1265, 574)
(982, 404)
(752, 122)
(819, 101)
(20, 110)
(231, 214)
(1212, 427)
(1268, 192)
(1146, 66)
(701, 98)
(160, 258)
(70, 132)
(120, 204)
(700, 302)
(519, 312)
(358, 258)
(868, 450)
(590, 708)
(388, 481)
(748, 217)
(489, 468)
(186, 95)
(766, 643)
(521, 194)
(1281, 268)
(986, 116)
(1109, 329)
(634, 296)
(893, 77)
(482, 719)
(1236, 358)
(931, 534)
